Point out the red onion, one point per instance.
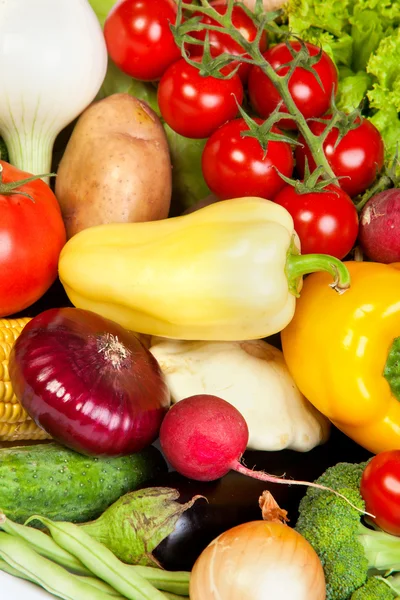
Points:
(88, 382)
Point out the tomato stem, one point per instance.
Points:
(12, 187)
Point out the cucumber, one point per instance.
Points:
(53, 481)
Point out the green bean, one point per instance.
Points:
(175, 596)
(53, 578)
(44, 545)
(101, 585)
(4, 566)
(176, 582)
(101, 561)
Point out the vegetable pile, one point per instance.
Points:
(199, 318)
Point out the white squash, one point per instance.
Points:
(252, 376)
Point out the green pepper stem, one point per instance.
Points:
(298, 265)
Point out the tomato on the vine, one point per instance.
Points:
(356, 159)
(223, 42)
(235, 166)
(311, 99)
(326, 221)
(380, 490)
(194, 106)
(32, 234)
(139, 39)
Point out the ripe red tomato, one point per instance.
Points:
(309, 97)
(194, 106)
(358, 157)
(235, 166)
(32, 234)
(139, 39)
(326, 222)
(222, 42)
(380, 489)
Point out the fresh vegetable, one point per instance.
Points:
(356, 157)
(101, 561)
(234, 165)
(53, 61)
(380, 489)
(15, 423)
(65, 485)
(259, 559)
(33, 234)
(194, 105)
(311, 89)
(45, 546)
(254, 378)
(352, 379)
(222, 42)
(379, 226)
(226, 272)
(325, 220)
(116, 166)
(42, 571)
(139, 39)
(347, 548)
(89, 383)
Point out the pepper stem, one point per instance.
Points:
(298, 265)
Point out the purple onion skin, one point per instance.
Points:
(88, 382)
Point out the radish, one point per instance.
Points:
(379, 235)
(203, 438)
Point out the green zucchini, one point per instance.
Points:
(58, 483)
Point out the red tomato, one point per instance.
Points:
(358, 157)
(326, 222)
(307, 94)
(235, 166)
(194, 106)
(380, 489)
(222, 42)
(32, 234)
(139, 39)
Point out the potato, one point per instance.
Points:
(116, 167)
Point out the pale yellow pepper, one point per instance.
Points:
(230, 271)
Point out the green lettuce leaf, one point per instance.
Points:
(388, 11)
(367, 31)
(388, 123)
(331, 16)
(352, 90)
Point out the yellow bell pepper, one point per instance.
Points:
(344, 352)
(230, 271)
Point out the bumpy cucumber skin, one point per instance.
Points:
(58, 483)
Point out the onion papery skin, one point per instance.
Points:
(258, 560)
(88, 382)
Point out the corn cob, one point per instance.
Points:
(15, 423)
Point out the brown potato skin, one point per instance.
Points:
(116, 167)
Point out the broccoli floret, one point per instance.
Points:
(3, 150)
(374, 589)
(348, 550)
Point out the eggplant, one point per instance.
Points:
(233, 499)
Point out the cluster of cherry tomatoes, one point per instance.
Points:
(141, 43)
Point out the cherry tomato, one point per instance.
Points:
(222, 42)
(32, 234)
(358, 157)
(139, 39)
(380, 489)
(326, 222)
(194, 106)
(311, 99)
(235, 166)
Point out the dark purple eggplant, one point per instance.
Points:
(233, 499)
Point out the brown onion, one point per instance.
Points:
(257, 561)
(88, 382)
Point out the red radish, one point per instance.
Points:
(379, 227)
(203, 438)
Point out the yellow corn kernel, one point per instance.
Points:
(15, 423)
